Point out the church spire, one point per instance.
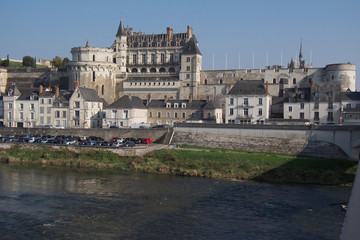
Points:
(120, 29)
(300, 53)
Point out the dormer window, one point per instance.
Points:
(176, 105)
(168, 105)
(183, 105)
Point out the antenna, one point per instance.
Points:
(225, 61)
(281, 58)
(310, 57)
(239, 60)
(213, 62)
(253, 62)
(267, 59)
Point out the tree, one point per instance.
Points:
(28, 61)
(57, 62)
(5, 63)
(65, 62)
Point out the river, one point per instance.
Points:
(62, 203)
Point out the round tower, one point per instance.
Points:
(343, 73)
(121, 47)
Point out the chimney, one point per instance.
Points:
(148, 99)
(190, 98)
(76, 84)
(165, 98)
(57, 91)
(267, 87)
(189, 32)
(41, 89)
(169, 32)
(131, 31)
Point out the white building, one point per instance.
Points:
(125, 112)
(46, 100)
(85, 109)
(247, 102)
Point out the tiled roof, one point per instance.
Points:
(89, 95)
(348, 96)
(127, 102)
(248, 87)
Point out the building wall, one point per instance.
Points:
(27, 115)
(44, 110)
(3, 79)
(119, 117)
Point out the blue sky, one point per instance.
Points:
(329, 29)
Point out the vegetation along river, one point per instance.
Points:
(60, 203)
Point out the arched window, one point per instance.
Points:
(205, 81)
(274, 80)
(154, 44)
(94, 76)
(102, 90)
(143, 70)
(221, 81)
(171, 69)
(152, 70)
(134, 70)
(162, 70)
(294, 80)
(94, 58)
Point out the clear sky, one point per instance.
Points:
(329, 29)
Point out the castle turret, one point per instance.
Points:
(121, 47)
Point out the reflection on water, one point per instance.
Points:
(57, 203)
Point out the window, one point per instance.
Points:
(330, 105)
(176, 115)
(102, 90)
(126, 114)
(176, 105)
(187, 59)
(274, 80)
(152, 58)
(316, 116)
(168, 105)
(42, 101)
(260, 112)
(294, 80)
(49, 101)
(168, 115)
(231, 111)
(302, 115)
(64, 123)
(183, 115)
(57, 114)
(32, 106)
(246, 101)
(10, 105)
(143, 58)
(41, 120)
(290, 108)
(302, 105)
(150, 114)
(94, 77)
(171, 57)
(77, 114)
(316, 105)
(94, 58)
(48, 110)
(76, 104)
(221, 81)
(64, 114)
(187, 68)
(21, 106)
(348, 105)
(134, 59)
(187, 76)
(21, 115)
(41, 109)
(57, 122)
(48, 120)
(330, 116)
(205, 81)
(246, 112)
(231, 101)
(162, 59)
(159, 114)
(32, 116)
(183, 105)
(260, 101)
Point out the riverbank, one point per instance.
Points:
(199, 162)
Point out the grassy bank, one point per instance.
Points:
(213, 163)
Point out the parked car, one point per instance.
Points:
(146, 141)
(113, 127)
(130, 139)
(115, 144)
(69, 141)
(117, 139)
(59, 127)
(128, 144)
(47, 126)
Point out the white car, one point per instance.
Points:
(69, 142)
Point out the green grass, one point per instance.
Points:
(205, 162)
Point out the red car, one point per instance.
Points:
(146, 140)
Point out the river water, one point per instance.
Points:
(61, 203)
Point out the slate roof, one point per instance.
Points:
(89, 95)
(350, 96)
(191, 47)
(293, 95)
(212, 104)
(46, 94)
(248, 87)
(127, 102)
(26, 93)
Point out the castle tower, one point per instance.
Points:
(121, 47)
(191, 60)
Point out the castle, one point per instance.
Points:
(139, 64)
